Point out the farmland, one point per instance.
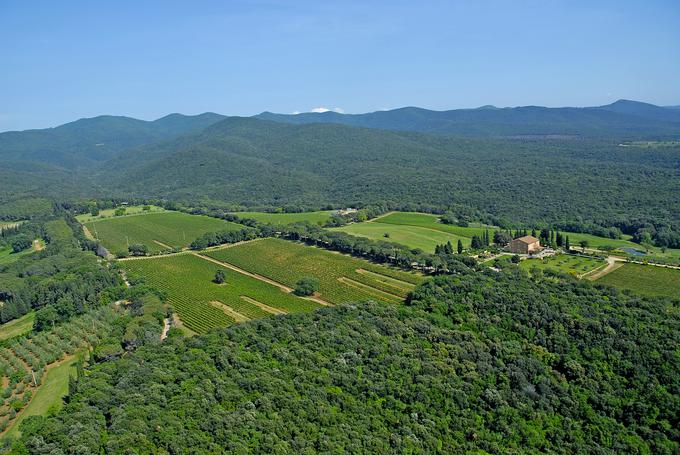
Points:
(174, 229)
(129, 210)
(572, 265)
(342, 278)
(411, 236)
(319, 217)
(645, 279)
(199, 302)
(17, 326)
(426, 220)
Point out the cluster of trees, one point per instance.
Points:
(222, 237)
(59, 282)
(490, 361)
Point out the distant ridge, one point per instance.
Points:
(621, 119)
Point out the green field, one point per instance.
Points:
(17, 327)
(411, 236)
(572, 265)
(426, 220)
(187, 280)
(343, 278)
(129, 210)
(645, 279)
(175, 229)
(49, 395)
(286, 218)
(7, 256)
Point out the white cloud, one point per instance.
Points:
(296, 112)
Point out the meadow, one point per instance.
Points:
(187, 279)
(110, 213)
(645, 279)
(342, 278)
(429, 221)
(17, 327)
(572, 265)
(155, 230)
(7, 256)
(319, 217)
(411, 236)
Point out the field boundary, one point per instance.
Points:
(394, 282)
(369, 289)
(262, 306)
(163, 245)
(229, 311)
(281, 286)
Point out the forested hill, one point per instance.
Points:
(473, 364)
(253, 162)
(623, 119)
(84, 141)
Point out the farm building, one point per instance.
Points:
(524, 245)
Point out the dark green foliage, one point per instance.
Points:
(473, 363)
(307, 286)
(219, 277)
(21, 243)
(138, 249)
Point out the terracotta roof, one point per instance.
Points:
(528, 239)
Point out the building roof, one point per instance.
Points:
(528, 239)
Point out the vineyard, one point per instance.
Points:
(343, 278)
(286, 218)
(23, 362)
(188, 283)
(158, 231)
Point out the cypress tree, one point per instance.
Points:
(460, 247)
(567, 246)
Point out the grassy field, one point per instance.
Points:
(426, 220)
(17, 327)
(645, 279)
(129, 210)
(343, 278)
(285, 218)
(7, 256)
(187, 280)
(49, 394)
(572, 265)
(411, 236)
(174, 229)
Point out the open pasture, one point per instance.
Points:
(411, 236)
(569, 264)
(342, 278)
(187, 279)
(129, 210)
(429, 221)
(155, 230)
(645, 279)
(287, 218)
(17, 327)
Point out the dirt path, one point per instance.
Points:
(88, 234)
(379, 293)
(166, 328)
(230, 245)
(155, 256)
(229, 311)
(262, 306)
(612, 264)
(380, 216)
(163, 245)
(281, 286)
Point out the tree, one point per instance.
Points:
(138, 249)
(386, 235)
(220, 277)
(21, 243)
(501, 238)
(119, 211)
(94, 210)
(476, 242)
(460, 247)
(515, 259)
(567, 245)
(307, 286)
(583, 244)
(448, 248)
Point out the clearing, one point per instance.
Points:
(577, 266)
(158, 231)
(110, 213)
(342, 278)
(17, 327)
(645, 279)
(187, 281)
(286, 218)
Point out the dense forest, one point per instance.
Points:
(584, 183)
(476, 362)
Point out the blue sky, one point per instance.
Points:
(60, 61)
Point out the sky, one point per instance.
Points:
(64, 60)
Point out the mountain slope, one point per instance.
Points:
(622, 119)
(87, 141)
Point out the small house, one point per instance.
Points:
(524, 245)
